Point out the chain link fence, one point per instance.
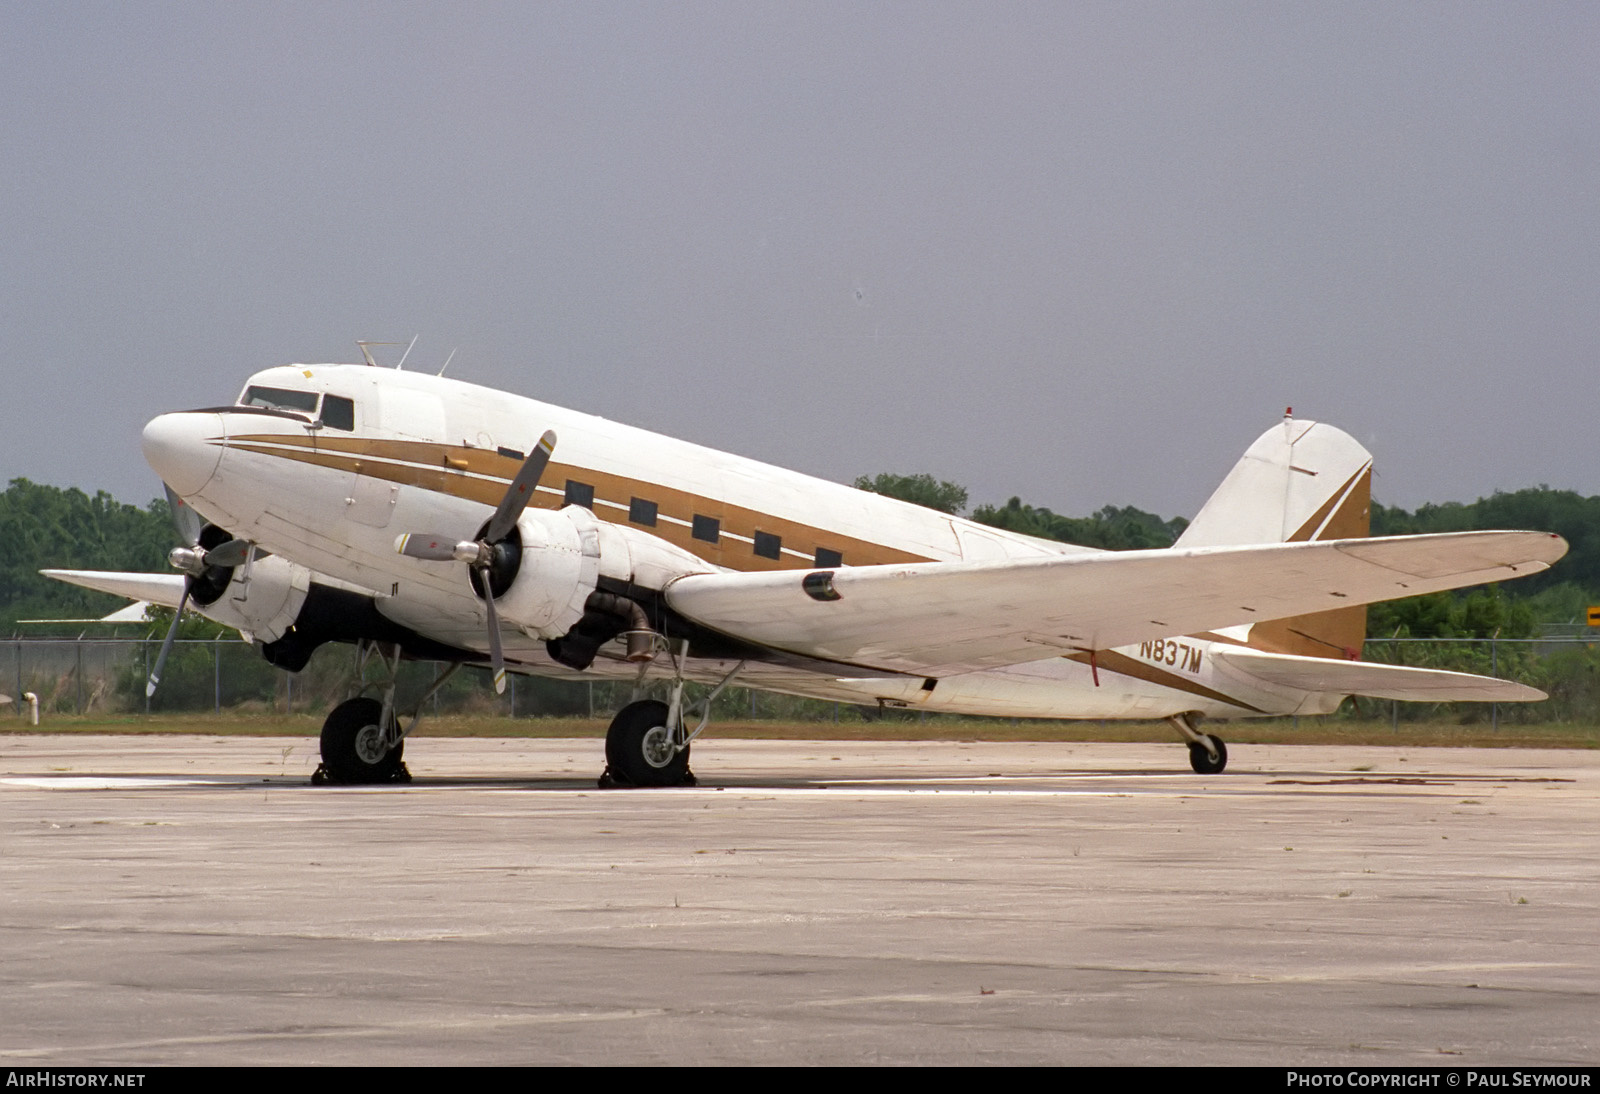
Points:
(107, 676)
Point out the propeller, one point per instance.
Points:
(493, 548)
(194, 561)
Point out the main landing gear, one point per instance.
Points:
(363, 738)
(645, 748)
(647, 744)
(355, 745)
(1207, 754)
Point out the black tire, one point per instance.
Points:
(1200, 759)
(342, 760)
(636, 752)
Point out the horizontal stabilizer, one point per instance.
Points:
(1366, 678)
(133, 613)
(163, 589)
(941, 618)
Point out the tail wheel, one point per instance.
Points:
(641, 749)
(1202, 761)
(352, 745)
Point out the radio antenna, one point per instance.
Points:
(407, 353)
(447, 361)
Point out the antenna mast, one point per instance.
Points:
(407, 353)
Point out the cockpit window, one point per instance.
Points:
(338, 413)
(278, 398)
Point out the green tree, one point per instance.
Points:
(946, 497)
(1111, 529)
(49, 527)
(1479, 613)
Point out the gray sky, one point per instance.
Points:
(1079, 252)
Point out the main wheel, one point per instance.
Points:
(640, 749)
(1200, 758)
(352, 745)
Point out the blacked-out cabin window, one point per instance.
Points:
(642, 512)
(338, 412)
(768, 545)
(707, 528)
(827, 559)
(511, 453)
(580, 493)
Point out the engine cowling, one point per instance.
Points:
(590, 617)
(262, 598)
(558, 567)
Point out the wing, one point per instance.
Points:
(163, 589)
(939, 619)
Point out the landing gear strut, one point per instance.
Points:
(1207, 754)
(363, 738)
(647, 744)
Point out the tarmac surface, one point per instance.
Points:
(192, 900)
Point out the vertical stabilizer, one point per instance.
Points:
(1300, 481)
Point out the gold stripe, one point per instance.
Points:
(1354, 518)
(1112, 661)
(1306, 530)
(439, 469)
(438, 480)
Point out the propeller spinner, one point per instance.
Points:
(482, 554)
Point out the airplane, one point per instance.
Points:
(429, 518)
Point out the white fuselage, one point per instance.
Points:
(412, 453)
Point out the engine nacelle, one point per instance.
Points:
(636, 557)
(262, 598)
(559, 568)
(589, 618)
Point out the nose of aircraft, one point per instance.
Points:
(180, 447)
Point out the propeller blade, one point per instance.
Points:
(166, 644)
(520, 492)
(231, 553)
(184, 518)
(496, 656)
(426, 546)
